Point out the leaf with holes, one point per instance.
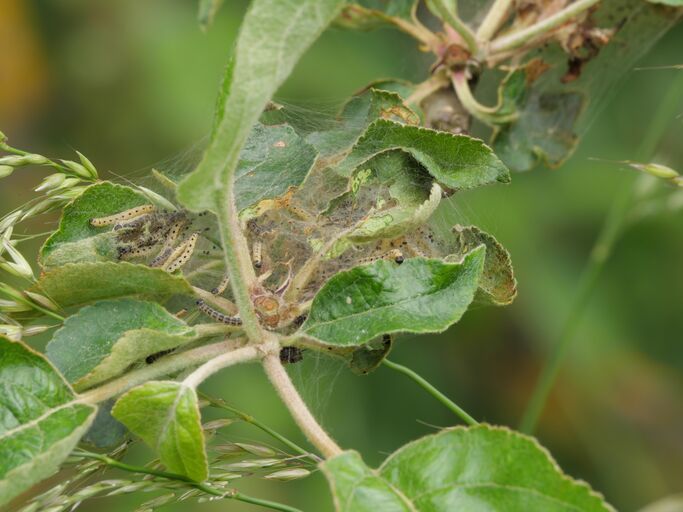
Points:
(166, 416)
(273, 37)
(456, 161)
(102, 340)
(563, 92)
(40, 419)
(477, 469)
(76, 284)
(76, 240)
(418, 296)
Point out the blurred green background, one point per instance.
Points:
(132, 85)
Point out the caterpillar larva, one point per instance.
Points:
(217, 315)
(222, 286)
(136, 252)
(167, 249)
(394, 254)
(182, 254)
(256, 252)
(123, 216)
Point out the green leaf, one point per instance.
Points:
(166, 416)
(80, 283)
(358, 113)
(40, 421)
(102, 340)
(475, 469)
(558, 104)
(273, 36)
(497, 285)
(456, 161)
(391, 194)
(273, 159)
(76, 240)
(419, 296)
(397, 220)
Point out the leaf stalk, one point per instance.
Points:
(521, 37)
(420, 381)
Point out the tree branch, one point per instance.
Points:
(298, 409)
(240, 355)
(164, 366)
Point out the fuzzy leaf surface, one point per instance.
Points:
(498, 285)
(419, 296)
(102, 340)
(456, 161)
(40, 422)
(76, 240)
(273, 37)
(477, 469)
(273, 159)
(166, 416)
(81, 283)
(359, 112)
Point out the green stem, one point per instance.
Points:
(432, 391)
(417, 32)
(46, 311)
(238, 263)
(494, 19)
(602, 250)
(426, 88)
(37, 307)
(164, 366)
(240, 355)
(264, 503)
(174, 476)
(253, 421)
(521, 37)
(9, 149)
(440, 9)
